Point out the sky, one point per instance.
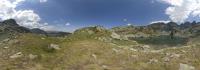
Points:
(69, 15)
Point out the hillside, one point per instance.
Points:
(97, 48)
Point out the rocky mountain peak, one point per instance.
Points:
(91, 30)
(9, 22)
(11, 26)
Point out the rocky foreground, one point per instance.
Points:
(96, 48)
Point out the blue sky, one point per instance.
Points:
(68, 15)
(109, 13)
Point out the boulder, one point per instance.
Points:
(145, 48)
(90, 32)
(17, 55)
(94, 56)
(132, 49)
(166, 59)
(174, 55)
(153, 61)
(31, 56)
(6, 47)
(104, 39)
(99, 28)
(186, 67)
(115, 35)
(6, 40)
(54, 46)
(105, 67)
(43, 38)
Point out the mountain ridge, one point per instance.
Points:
(98, 48)
(11, 26)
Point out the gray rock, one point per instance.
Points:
(43, 38)
(174, 55)
(170, 56)
(186, 67)
(132, 49)
(104, 39)
(126, 37)
(31, 56)
(90, 32)
(166, 59)
(6, 47)
(146, 48)
(17, 55)
(6, 40)
(105, 67)
(94, 56)
(153, 61)
(99, 28)
(115, 35)
(54, 46)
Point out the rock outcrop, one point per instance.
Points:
(156, 29)
(54, 47)
(17, 55)
(11, 26)
(186, 67)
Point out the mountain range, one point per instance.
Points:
(157, 46)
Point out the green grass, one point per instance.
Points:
(91, 54)
(35, 44)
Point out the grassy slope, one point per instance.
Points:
(90, 54)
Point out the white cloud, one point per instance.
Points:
(173, 2)
(7, 8)
(43, 1)
(181, 10)
(161, 21)
(129, 24)
(67, 24)
(48, 28)
(18, 1)
(26, 18)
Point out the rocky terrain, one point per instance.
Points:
(158, 46)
